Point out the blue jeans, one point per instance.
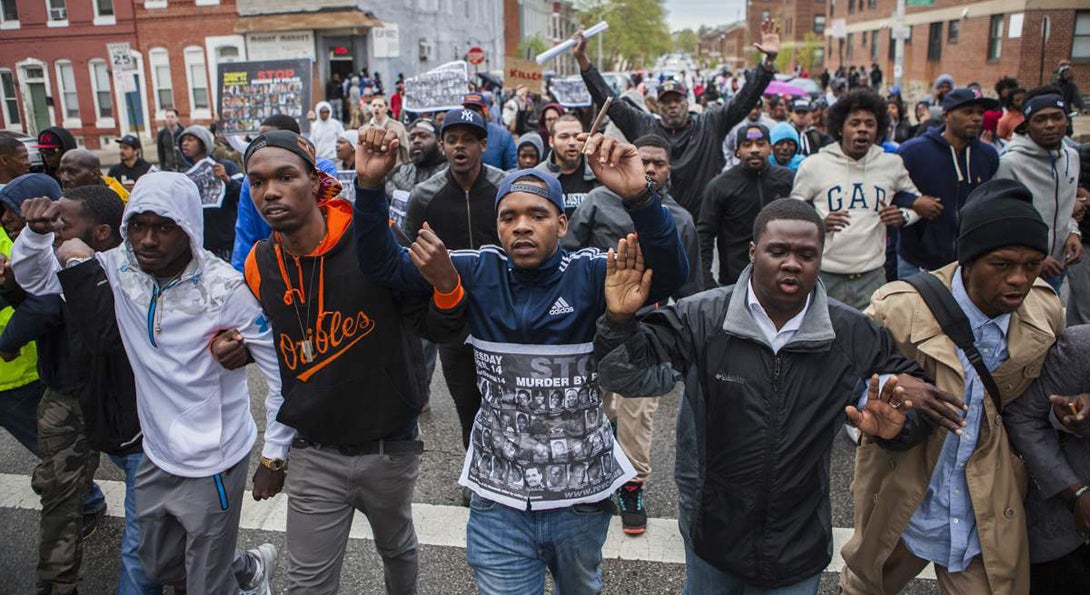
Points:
(509, 549)
(702, 578)
(906, 269)
(132, 581)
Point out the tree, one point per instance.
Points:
(532, 46)
(807, 54)
(637, 31)
(686, 41)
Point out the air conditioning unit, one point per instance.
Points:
(425, 50)
(58, 14)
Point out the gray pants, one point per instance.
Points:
(325, 488)
(1078, 286)
(189, 527)
(853, 289)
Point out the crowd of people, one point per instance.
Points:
(799, 264)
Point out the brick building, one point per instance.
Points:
(550, 21)
(725, 47)
(55, 69)
(971, 40)
(802, 27)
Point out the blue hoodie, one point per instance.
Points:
(936, 171)
(781, 132)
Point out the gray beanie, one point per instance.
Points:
(532, 138)
(202, 134)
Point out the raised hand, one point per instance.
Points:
(376, 155)
(884, 414)
(617, 165)
(42, 215)
(628, 284)
(431, 258)
(770, 39)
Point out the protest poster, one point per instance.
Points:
(570, 91)
(249, 92)
(528, 73)
(437, 90)
(541, 434)
(211, 188)
(347, 178)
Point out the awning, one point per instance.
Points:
(319, 20)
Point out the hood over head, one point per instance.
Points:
(200, 133)
(532, 138)
(174, 196)
(784, 131)
(318, 109)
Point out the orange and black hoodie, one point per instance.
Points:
(359, 383)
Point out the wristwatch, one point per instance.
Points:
(642, 198)
(274, 464)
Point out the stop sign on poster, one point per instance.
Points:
(475, 55)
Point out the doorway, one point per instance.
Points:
(36, 97)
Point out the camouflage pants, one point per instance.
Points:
(62, 479)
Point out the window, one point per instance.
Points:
(226, 54)
(1080, 45)
(104, 12)
(875, 43)
(207, 2)
(851, 44)
(7, 98)
(100, 82)
(934, 42)
(864, 38)
(851, 6)
(66, 81)
(160, 79)
(892, 45)
(995, 37)
(150, 4)
(196, 74)
(58, 13)
(9, 14)
(871, 3)
(819, 24)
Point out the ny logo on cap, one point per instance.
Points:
(467, 115)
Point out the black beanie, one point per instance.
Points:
(1000, 213)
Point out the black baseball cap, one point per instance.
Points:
(464, 116)
(801, 105)
(131, 140)
(967, 96)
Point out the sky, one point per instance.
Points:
(691, 14)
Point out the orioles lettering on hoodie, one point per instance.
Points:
(332, 334)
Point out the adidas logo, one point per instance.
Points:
(560, 307)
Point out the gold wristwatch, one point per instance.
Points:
(274, 464)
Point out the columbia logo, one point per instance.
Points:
(560, 307)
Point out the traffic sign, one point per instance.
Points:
(475, 55)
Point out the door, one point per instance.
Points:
(134, 107)
(39, 107)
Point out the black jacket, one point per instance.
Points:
(464, 220)
(731, 204)
(170, 154)
(41, 318)
(696, 153)
(107, 392)
(756, 428)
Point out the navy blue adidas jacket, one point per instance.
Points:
(509, 305)
(937, 170)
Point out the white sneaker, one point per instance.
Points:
(265, 554)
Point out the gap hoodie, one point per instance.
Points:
(833, 181)
(1053, 177)
(940, 171)
(195, 414)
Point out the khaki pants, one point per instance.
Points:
(902, 566)
(635, 419)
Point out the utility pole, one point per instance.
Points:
(899, 44)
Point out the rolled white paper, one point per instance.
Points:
(556, 50)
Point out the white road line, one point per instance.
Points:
(436, 525)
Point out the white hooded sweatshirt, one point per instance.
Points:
(324, 133)
(195, 414)
(833, 181)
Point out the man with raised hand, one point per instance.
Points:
(531, 311)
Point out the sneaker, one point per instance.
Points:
(265, 556)
(90, 522)
(633, 514)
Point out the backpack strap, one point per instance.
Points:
(955, 324)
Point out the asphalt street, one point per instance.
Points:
(443, 568)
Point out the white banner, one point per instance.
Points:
(386, 42)
(570, 91)
(437, 90)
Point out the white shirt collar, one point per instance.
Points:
(776, 338)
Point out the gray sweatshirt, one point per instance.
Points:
(1052, 176)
